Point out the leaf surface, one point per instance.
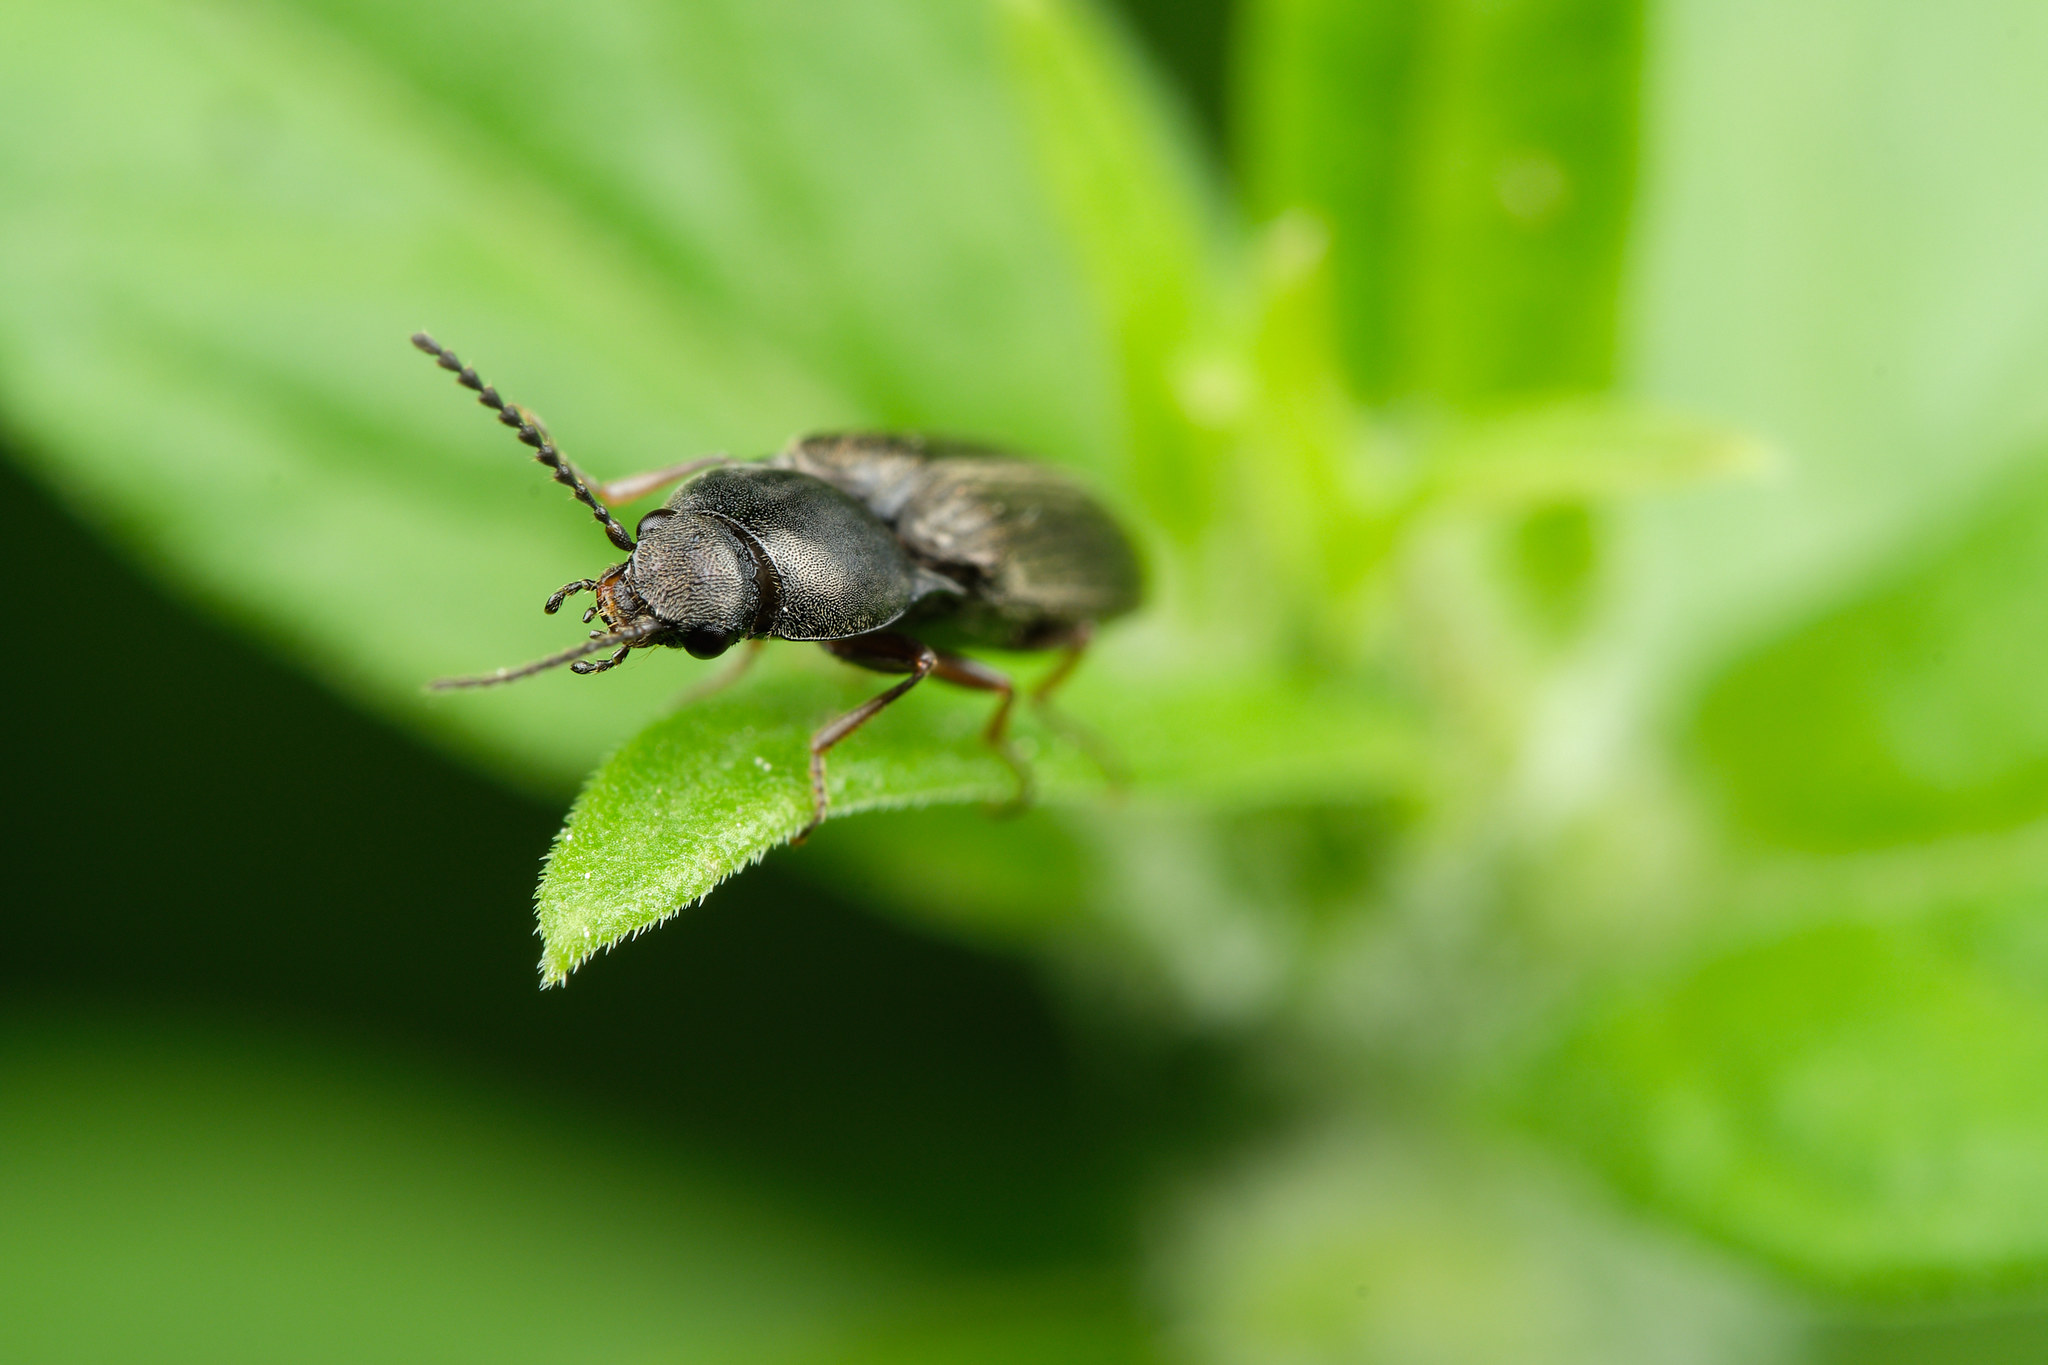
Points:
(1860, 1101)
(713, 787)
(1476, 166)
(1593, 451)
(1913, 711)
(1385, 1241)
(1149, 230)
(1893, 357)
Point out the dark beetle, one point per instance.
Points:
(888, 550)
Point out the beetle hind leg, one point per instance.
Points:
(1066, 727)
(964, 672)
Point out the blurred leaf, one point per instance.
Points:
(1148, 226)
(1427, 1248)
(1009, 881)
(1238, 916)
(1557, 556)
(1476, 165)
(1225, 916)
(1915, 711)
(1298, 472)
(670, 230)
(1864, 1103)
(1190, 40)
(709, 790)
(267, 1203)
(2002, 1334)
(1582, 451)
(1838, 246)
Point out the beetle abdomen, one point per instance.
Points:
(1034, 553)
(1039, 548)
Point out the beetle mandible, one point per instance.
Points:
(890, 551)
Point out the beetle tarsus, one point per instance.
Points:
(588, 666)
(567, 591)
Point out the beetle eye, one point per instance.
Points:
(705, 643)
(650, 521)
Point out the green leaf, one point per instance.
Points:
(1582, 451)
(272, 1202)
(1371, 1243)
(1894, 356)
(1149, 229)
(1300, 472)
(1476, 165)
(669, 230)
(1861, 1102)
(712, 788)
(1913, 711)
(1016, 881)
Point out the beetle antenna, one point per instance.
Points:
(532, 433)
(628, 637)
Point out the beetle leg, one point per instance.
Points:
(884, 653)
(586, 666)
(727, 676)
(636, 486)
(1079, 735)
(962, 672)
(1070, 659)
(567, 591)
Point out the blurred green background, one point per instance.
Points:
(1628, 416)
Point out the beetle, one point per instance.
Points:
(891, 551)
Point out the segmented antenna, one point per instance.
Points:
(533, 434)
(628, 637)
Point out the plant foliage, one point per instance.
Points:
(1584, 457)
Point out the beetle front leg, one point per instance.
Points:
(589, 666)
(567, 591)
(884, 653)
(634, 487)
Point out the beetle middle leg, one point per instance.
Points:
(884, 653)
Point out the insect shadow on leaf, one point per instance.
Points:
(891, 551)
